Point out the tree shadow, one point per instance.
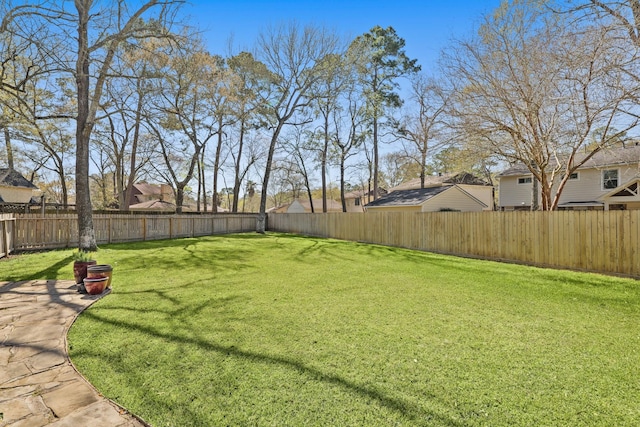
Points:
(408, 409)
(53, 271)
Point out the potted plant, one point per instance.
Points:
(100, 270)
(95, 285)
(82, 260)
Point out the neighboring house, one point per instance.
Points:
(470, 184)
(143, 192)
(609, 180)
(355, 200)
(432, 199)
(152, 197)
(15, 188)
(303, 206)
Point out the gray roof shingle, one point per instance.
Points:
(608, 157)
(412, 197)
(12, 178)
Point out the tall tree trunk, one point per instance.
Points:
(534, 194)
(238, 181)
(7, 143)
(423, 163)
(261, 223)
(342, 199)
(204, 183)
(65, 194)
(86, 234)
(216, 167)
(200, 179)
(179, 198)
(323, 162)
(310, 198)
(134, 149)
(375, 157)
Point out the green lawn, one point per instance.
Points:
(280, 330)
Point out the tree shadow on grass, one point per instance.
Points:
(54, 271)
(179, 242)
(418, 415)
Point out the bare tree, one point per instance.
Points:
(251, 79)
(533, 87)
(381, 62)
(27, 100)
(120, 124)
(350, 132)
(292, 55)
(622, 13)
(335, 77)
(424, 127)
(87, 40)
(180, 114)
(297, 158)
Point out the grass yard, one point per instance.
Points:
(282, 330)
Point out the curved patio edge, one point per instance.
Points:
(39, 384)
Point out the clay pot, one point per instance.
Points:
(100, 270)
(95, 286)
(80, 270)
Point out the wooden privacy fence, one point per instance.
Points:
(7, 222)
(32, 232)
(597, 241)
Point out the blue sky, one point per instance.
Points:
(426, 25)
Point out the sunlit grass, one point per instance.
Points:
(285, 330)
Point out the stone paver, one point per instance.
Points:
(38, 384)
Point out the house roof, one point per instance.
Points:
(585, 204)
(412, 197)
(629, 188)
(437, 180)
(608, 157)
(154, 205)
(417, 196)
(12, 178)
(148, 189)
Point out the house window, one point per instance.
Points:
(609, 179)
(357, 201)
(527, 180)
(573, 176)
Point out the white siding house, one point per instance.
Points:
(15, 188)
(609, 180)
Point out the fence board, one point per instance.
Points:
(7, 223)
(598, 241)
(606, 242)
(33, 231)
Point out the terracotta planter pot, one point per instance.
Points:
(100, 270)
(80, 270)
(95, 286)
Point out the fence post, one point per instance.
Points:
(5, 232)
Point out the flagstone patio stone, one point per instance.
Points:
(38, 384)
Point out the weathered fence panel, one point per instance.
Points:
(33, 231)
(598, 241)
(7, 225)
